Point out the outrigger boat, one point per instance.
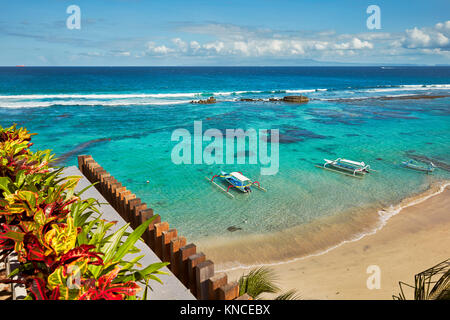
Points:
(417, 166)
(236, 180)
(347, 167)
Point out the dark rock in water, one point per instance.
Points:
(282, 138)
(304, 133)
(210, 100)
(233, 228)
(291, 99)
(250, 100)
(296, 99)
(129, 180)
(288, 115)
(246, 154)
(325, 150)
(78, 149)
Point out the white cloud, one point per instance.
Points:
(355, 44)
(180, 44)
(152, 48)
(217, 46)
(194, 45)
(123, 54)
(436, 37)
(226, 40)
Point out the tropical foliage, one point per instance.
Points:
(260, 281)
(431, 284)
(66, 251)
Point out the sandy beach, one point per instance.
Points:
(411, 241)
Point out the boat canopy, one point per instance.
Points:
(239, 176)
(362, 164)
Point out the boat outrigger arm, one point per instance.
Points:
(236, 180)
(347, 167)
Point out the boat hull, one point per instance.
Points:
(240, 188)
(344, 169)
(417, 168)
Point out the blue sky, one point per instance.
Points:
(227, 32)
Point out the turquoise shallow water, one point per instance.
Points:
(125, 118)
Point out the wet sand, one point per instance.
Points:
(413, 240)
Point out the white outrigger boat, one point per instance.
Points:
(236, 180)
(417, 166)
(347, 167)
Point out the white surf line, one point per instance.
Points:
(383, 221)
(101, 96)
(416, 87)
(89, 103)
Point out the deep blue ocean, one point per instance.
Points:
(124, 117)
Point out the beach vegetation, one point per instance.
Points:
(431, 284)
(65, 249)
(261, 281)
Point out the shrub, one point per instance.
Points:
(63, 246)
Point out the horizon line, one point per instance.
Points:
(228, 66)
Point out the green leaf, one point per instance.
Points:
(153, 277)
(130, 264)
(84, 189)
(20, 178)
(13, 273)
(132, 239)
(153, 268)
(6, 185)
(13, 235)
(111, 247)
(144, 296)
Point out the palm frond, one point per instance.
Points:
(258, 281)
(289, 295)
(431, 284)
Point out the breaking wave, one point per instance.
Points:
(130, 99)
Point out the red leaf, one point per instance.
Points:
(38, 289)
(80, 252)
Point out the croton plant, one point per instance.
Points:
(65, 249)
